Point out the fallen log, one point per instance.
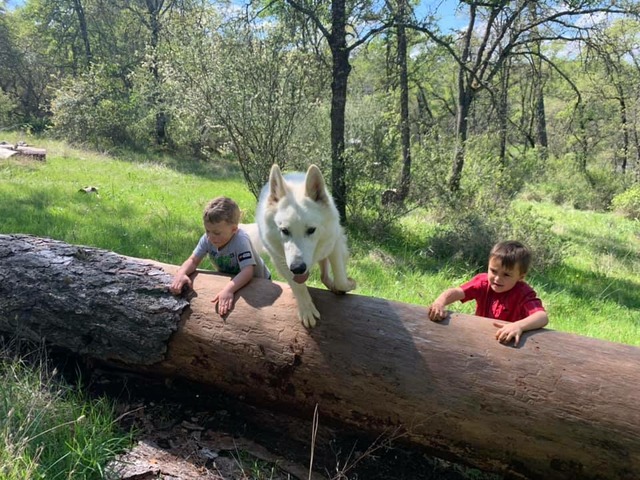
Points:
(558, 406)
(32, 153)
(7, 151)
(21, 151)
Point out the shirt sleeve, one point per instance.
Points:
(530, 304)
(474, 288)
(202, 248)
(244, 252)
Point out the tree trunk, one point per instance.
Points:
(540, 117)
(405, 129)
(88, 300)
(465, 97)
(340, 75)
(559, 406)
(503, 113)
(84, 34)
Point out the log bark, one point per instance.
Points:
(87, 300)
(8, 151)
(31, 152)
(558, 406)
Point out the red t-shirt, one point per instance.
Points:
(516, 304)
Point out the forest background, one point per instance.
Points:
(461, 122)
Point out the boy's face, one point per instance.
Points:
(503, 279)
(219, 233)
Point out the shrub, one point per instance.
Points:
(466, 233)
(566, 183)
(628, 202)
(7, 105)
(92, 109)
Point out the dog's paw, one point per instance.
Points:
(308, 316)
(342, 289)
(328, 282)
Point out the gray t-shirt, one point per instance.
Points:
(234, 256)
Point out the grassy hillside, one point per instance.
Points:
(150, 207)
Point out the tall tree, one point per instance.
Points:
(402, 15)
(614, 49)
(152, 13)
(82, 25)
(360, 22)
(540, 117)
(499, 29)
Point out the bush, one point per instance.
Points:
(467, 232)
(7, 105)
(628, 202)
(565, 183)
(92, 109)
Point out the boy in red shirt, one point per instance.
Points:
(500, 293)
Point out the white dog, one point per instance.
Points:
(298, 225)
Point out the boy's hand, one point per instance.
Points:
(224, 300)
(437, 312)
(508, 332)
(179, 282)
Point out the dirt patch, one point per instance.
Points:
(187, 434)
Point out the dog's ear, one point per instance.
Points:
(315, 187)
(277, 185)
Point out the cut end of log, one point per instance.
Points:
(22, 151)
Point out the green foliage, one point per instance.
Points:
(468, 226)
(93, 109)
(7, 106)
(371, 159)
(628, 202)
(50, 430)
(565, 183)
(247, 81)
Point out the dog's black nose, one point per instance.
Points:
(298, 268)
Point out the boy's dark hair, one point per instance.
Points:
(511, 254)
(222, 209)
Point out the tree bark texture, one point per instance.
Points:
(560, 406)
(88, 300)
(7, 151)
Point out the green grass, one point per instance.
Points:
(50, 430)
(144, 208)
(596, 292)
(150, 207)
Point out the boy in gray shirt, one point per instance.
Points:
(229, 249)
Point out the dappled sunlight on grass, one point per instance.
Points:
(153, 210)
(143, 210)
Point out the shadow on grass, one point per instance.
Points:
(215, 168)
(398, 249)
(45, 213)
(590, 286)
(602, 244)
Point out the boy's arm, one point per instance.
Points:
(437, 310)
(509, 331)
(224, 298)
(181, 277)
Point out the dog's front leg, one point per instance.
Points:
(325, 277)
(338, 259)
(307, 311)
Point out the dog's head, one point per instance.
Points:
(303, 213)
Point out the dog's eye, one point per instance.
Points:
(285, 231)
(311, 231)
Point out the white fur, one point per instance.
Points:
(298, 225)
